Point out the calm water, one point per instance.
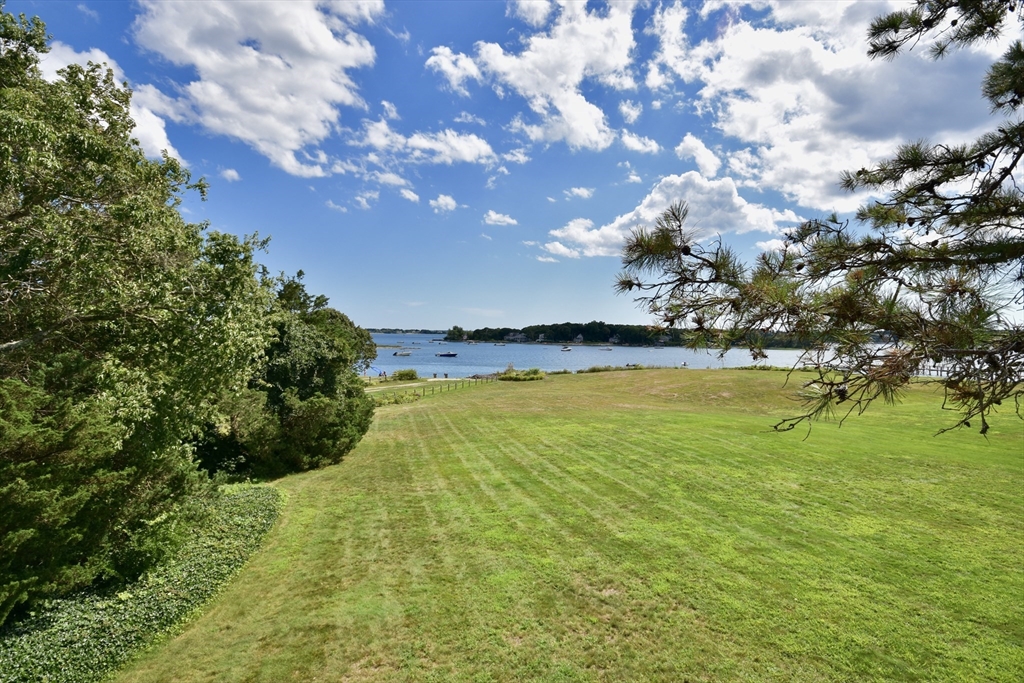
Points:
(484, 357)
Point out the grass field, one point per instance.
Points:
(632, 526)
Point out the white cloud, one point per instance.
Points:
(552, 200)
(230, 175)
(335, 207)
(364, 199)
(492, 217)
(457, 68)
(409, 194)
(390, 110)
(694, 148)
(486, 236)
(150, 128)
(581, 192)
(272, 75)
(444, 147)
(715, 207)
(388, 178)
(533, 12)
(87, 11)
(639, 143)
(516, 156)
(774, 245)
(466, 117)
(668, 24)
(559, 249)
(549, 71)
(547, 259)
(796, 90)
(530, 243)
(633, 178)
(630, 111)
(443, 203)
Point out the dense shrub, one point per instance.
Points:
(405, 374)
(86, 636)
(306, 407)
(512, 375)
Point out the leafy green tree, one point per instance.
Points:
(932, 282)
(456, 333)
(305, 407)
(120, 324)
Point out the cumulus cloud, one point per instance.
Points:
(630, 110)
(410, 195)
(559, 249)
(150, 127)
(443, 204)
(456, 68)
(694, 148)
(581, 192)
(390, 110)
(230, 175)
(444, 147)
(272, 75)
(776, 245)
(547, 259)
(795, 88)
(550, 69)
(533, 12)
(492, 217)
(715, 207)
(638, 143)
(336, 207)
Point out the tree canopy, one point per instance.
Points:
(937, 279)
(125, 331)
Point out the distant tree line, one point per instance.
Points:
(597, 332)
(140, 355)
(398, 330)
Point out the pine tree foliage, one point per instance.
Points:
(937, 280)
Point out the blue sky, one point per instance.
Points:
(430, 164)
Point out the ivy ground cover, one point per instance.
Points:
(633, 526)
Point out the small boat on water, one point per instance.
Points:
(446, 354)
(605, 348)
(402, 353)
(567, 348)
(500, 344)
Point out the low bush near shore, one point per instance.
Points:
(512, 375)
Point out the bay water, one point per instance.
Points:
(484, 358)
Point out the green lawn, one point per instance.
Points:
(633, 526)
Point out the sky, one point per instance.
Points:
(430, 164)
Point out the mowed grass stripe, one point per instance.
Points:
(633, 526)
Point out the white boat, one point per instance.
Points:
(402, 353)
(605, 348)
(566, 348)
(500, 344)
